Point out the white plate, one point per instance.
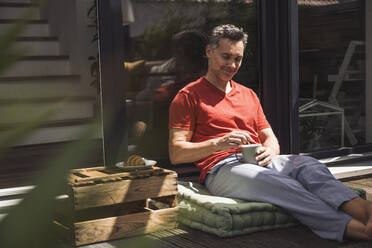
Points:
(148, 165)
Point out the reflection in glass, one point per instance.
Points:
(164, 51)
(332, 72)
(53, 72)
(53, 65)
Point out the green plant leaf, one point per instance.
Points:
(30, 222)
(30, 122)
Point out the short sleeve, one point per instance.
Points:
(182, 112)
(261, 120)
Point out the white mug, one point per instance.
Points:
(249, 153)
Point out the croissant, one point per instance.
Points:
(135, 160)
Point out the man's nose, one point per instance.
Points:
(233, 64)
(230, 62)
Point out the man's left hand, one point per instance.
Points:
(265, 155)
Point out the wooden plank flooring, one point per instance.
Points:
(293, 237)
(364, 182)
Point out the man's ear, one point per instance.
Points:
(208, 50)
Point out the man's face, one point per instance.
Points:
(224, 60)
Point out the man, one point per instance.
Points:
(211, 117)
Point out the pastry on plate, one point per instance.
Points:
(135, 160)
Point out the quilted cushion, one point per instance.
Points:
(228, 217)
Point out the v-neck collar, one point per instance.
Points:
(212, 86)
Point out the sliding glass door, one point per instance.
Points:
(164, 49)
(335, 93)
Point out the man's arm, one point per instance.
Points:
(181, 150)
(270, 146)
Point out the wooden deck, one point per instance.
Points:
(183, 237)
(293, 237)
(364, 182)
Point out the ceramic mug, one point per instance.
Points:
(249, 153)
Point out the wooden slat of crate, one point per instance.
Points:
(110, 170)
(72, 178)
(69, 217)
(124, 226)
(98, 168)
(124, 191)
(94, 173)
(79, 176)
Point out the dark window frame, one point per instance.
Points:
(279, 69)
(111, 55)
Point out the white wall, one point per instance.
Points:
(368, 71)
(68, 20)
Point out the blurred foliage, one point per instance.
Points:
(29, 224)
(20, 113)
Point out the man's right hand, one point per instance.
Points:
(182, 150)
(233, 140)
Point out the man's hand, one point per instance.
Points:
(270, 147)
(265, 155)
(233, 140)
(182, 150)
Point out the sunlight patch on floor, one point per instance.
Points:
(346, 171)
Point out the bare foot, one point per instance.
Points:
(356, 230)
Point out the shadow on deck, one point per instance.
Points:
(293, 237)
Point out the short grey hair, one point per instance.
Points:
(228, 31)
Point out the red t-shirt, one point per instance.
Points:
(210, 113)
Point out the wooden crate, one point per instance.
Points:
(107, 203)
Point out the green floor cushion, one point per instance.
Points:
(228, 217)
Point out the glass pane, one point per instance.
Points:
(333, 87)
(164, 43)
(56, 69)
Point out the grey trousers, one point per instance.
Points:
(301, 185)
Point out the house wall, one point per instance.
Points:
(68, 21)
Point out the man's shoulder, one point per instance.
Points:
(243, 88)
(194, 86)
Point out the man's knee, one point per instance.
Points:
(301, 160)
